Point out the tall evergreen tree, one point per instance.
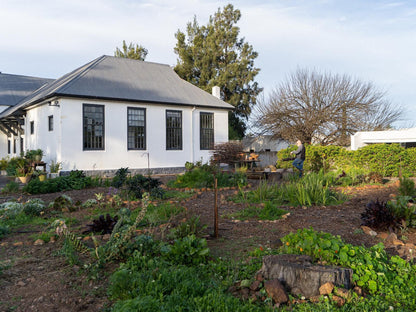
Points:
(214, 55)
(135, 52)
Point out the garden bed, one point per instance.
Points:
(38, 278)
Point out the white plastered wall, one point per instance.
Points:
(42, 138)
(65, 143)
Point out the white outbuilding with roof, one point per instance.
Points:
(406, 137)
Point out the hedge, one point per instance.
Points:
(386, 159)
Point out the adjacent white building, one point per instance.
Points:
(113, 113)
(406, 137)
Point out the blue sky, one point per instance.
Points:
(370, 40)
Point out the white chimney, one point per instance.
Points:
(216, 91)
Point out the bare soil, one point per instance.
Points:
(39, 278)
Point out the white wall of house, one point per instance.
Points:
(65, 142)
(363, 138)
(48, 141)
(3, 145)
(14, 145)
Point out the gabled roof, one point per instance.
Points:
(14, 88)
(122, 79)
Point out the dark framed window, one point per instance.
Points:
(14, 146)
(136, 128)
(50, 123)
(206, 131)
(9, 146)
(21, 144)
(32, 127)
(173, 130)
(93, 127)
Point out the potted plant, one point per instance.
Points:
(41, 175)
(54, 168)
(24, 171)
(34, 156)
(38, 155)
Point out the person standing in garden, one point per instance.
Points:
(300, 157)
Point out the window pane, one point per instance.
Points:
(136, 128)
(173, 130)
(50, 123)
(206, 131)
(93, 134)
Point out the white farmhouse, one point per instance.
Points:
(113, 113)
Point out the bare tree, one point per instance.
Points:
(324, 108)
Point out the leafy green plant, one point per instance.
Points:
(55, 166)
(10, 187)
(203, 176)
(10, 210)
(34, 207)
(89, 203)
(76, 180)
(391, 279)
(4, 162)
(62, 203)
(407, 187)
(4, 230)
(403, 212)
(191, 226)
(187, 250)
(120, 177)
(139, 184)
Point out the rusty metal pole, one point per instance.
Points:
(215, 208)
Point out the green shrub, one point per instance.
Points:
(407, 187)
(385, 159)
(192, 226)
(139, 184)
(12, 165)
(34, 207)
(202, 176)
(10, 210)
(187, 250)
(403, 213)
(62, 202)
(4, 230)
(120, 177)
(76, 180)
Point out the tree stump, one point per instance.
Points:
(301, 277)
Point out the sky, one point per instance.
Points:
(374, 41)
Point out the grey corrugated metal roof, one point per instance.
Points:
(124, 79)
(14, 88)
